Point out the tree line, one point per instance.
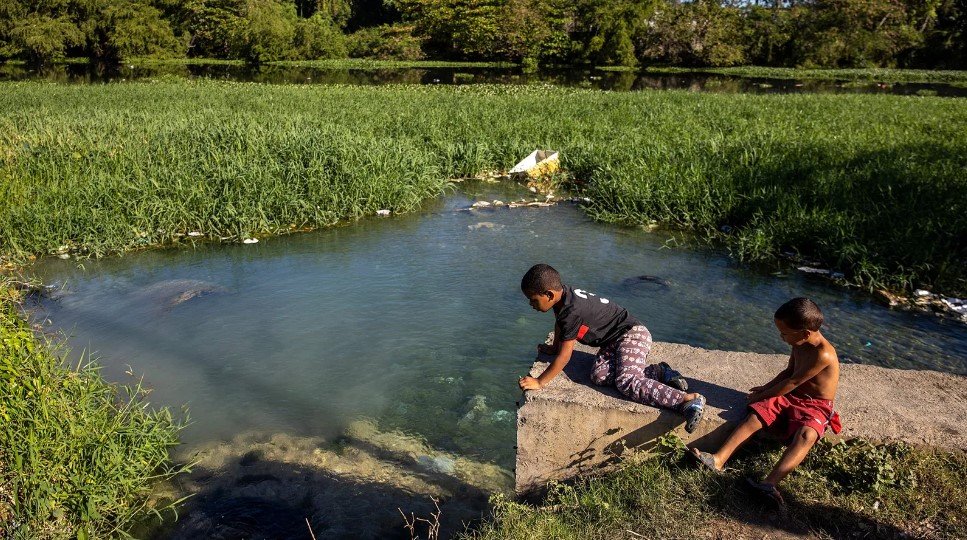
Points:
(803, 33)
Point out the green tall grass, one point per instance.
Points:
(77, 455)
(875, 186)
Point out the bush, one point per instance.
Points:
(387, 42)
(318, 38)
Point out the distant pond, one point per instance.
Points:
(571, 77)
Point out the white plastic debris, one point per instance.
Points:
(481, 204)
(811, 270)
(64, 256)
(195, 233)
(538, 163)
(533, 189)
(921, 292)
(383, 212)
(498, 203)
(250, 241)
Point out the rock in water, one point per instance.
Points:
(173, 292)
(647, 279)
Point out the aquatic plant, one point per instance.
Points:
(77, 455)
(870, 185)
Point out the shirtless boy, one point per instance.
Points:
(798, 401)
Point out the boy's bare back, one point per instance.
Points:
(807, 358)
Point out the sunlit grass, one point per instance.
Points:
(78, 456)
(875, 186)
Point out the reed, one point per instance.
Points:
(874, 186)
(77, 455)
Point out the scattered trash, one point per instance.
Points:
(538, 163)
(533, 189)
(382, 212)
(480, 204)
(958, 305)
(195, 233)
(811, 270)
(498, 203)
(250, 241)
(868, 344)
(63, 255)
(921, 292)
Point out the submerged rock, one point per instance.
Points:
(647, 279)
(261, 486)
(174, 292)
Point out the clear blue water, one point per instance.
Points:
(414, 320)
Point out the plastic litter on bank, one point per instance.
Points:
(538, 163)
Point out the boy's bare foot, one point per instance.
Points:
(708, 460)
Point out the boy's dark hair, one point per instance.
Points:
(800, 314)
(540, 278)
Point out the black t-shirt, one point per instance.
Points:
(591, 319)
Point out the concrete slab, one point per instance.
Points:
(572, 427)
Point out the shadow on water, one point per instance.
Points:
(354, 486)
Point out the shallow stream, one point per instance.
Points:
(416, 323)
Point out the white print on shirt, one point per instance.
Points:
(584, 294)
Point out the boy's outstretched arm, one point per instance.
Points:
(561, 360)
(783, 375)
(804, 371)
(555, 345)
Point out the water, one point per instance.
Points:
(416, 320)
(574, 77)
(417, 323)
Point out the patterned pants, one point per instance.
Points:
(623, 363)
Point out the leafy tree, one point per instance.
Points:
(387, 42)
(318, 37)
(38, 33)
(116, 29)
(855, 33)
(602, 29)
(698, 33)
(264, 32)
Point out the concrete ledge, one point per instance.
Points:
(572, 427)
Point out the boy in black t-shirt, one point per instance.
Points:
(624, 346)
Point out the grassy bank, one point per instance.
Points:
(871, 185)
(848, 490)
(77, 455)
(857, 74)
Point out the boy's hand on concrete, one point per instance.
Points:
(529, 383)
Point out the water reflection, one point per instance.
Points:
(572, 77)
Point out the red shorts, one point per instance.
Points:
(786, 414)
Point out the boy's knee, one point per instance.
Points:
(806, 435)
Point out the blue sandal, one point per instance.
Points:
(693, 411)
